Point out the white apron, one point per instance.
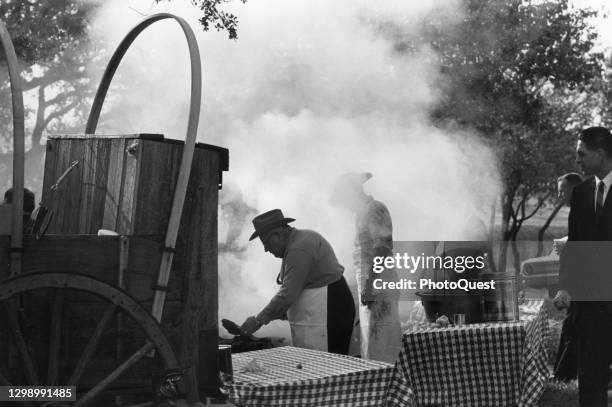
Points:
(381, 333)
(308, 319)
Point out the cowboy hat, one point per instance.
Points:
(267, 221)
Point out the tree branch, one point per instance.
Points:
(39, 125)
(40, 81)
(61, 97)
(61, 112)
(538, 206)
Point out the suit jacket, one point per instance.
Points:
(586, 261)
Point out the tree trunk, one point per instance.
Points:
(545, 226)
(517, 256)
(35, 168)
(491, 245)
(505, 235)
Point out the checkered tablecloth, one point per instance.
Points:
(496, 364)
(322, 379)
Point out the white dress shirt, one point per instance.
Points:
(607, 183)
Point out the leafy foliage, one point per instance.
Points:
(217, 18)
(50, 39)
(41, 30)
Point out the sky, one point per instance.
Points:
(603, 26)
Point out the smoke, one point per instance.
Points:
(310, 90)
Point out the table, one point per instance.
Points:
(494, 364)
(324, 379)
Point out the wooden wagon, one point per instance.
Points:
(114, 291)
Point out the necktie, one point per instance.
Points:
(599, 200)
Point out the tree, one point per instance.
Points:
(507, 64)
(50, 39)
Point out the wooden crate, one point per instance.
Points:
(125, 183)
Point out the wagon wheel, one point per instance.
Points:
(23, 294)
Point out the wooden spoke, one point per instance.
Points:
(91, 346)
(54, 337)
(139, 354)
(3, 380)
(66, 288)
(28, 364)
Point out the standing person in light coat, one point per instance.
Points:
(378, 313)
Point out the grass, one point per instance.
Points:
(560, 394)
(557, 394)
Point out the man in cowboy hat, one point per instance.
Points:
(313, 295)
(378, 314)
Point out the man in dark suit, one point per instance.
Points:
(585, 278)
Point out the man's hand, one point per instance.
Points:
(251, 325)
(367, 298)
(562, 300)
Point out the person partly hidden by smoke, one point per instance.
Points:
(378, 314)
(6, 211)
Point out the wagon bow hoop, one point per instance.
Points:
(18, 149)
(188, 150)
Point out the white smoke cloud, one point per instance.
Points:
(310, 90)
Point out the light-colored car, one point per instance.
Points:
(543, 272)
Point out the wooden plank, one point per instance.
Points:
(197, 246)
(132, 152)
(145, 254)
(87, 190)
(51, 199)
(5, 245)
(87, 315)
(93, 194)
(115, 374)
(3, 380)
(94, 339)
(92, 255)
(100, 182)
(28, 364)
(143, 136)
(68, 193)
(114, 184)
(123, 254)
(97, 256)
(159, 172)
(50, 168)
(56, 326)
